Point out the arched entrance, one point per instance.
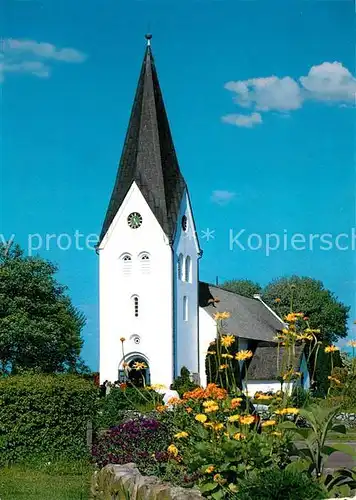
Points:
(135, 370)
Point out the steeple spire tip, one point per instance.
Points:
(148, 37)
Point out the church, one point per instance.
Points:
(153, 309)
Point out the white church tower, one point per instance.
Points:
(149, 251)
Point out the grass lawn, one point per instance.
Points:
(23, 483)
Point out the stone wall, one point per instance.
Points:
(124, 482)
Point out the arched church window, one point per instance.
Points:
(135, 305)
(185, 308)
(188, 269)
(126, 263)
(145, 263)
(180, 267)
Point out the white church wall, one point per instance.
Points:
(207, 333)
(185, 272)
(120, 282)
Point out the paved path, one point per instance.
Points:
(338, 459)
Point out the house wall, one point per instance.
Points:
(263, 386)
(154, 325)
(185, 329)
(207, 333)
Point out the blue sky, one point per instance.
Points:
(260, 154)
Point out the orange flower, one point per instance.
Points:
(247, 419)
(161, 408)
(235, 402)
(334, 379)
(277, 300)
(189, 409)
(212, 391)
(223, 367)
(123, 386)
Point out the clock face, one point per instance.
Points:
(134, 220)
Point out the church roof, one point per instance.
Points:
(148, 157)
(264, 364)
(249, 318)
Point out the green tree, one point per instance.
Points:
(244, 287)
(40, 329)
(309, 296)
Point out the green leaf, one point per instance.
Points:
(300, 465)
(208, 487)
(218, 495)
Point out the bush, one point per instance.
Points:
(183, 383)
(115, 405)
(276, 484)
(45, 415)
(143, 441)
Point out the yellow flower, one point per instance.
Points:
(291, 318)
(247, 419)
(218, 427)
(235, 402)
(242, 355)
(209, 469)
(238, 436)
(139, 366)
(228, 356)
(223, 367)
(234, 418)
(263, 396)
(331, 348)
(201, 418)
(172, 450)
(287, 411)
(276, 433)
(122, 339)
(352, 343)
(156, 387)
(211, 352)
(181, 435)
(210, 406)
(227, 340)
(219, 479)
(161, 408)
(268, 423)
(221, 315)
(334, 379)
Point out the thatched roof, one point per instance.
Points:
(249, 319)
(264, 366)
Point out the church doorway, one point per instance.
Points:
(139, 372)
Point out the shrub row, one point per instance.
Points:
(45, 415)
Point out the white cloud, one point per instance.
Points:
(247, 121)
(222, 197)
(327, 82)
(264, 94)
(35, 58)
(330, 82)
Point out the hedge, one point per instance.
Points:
(45, 415)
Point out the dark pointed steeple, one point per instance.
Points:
(148, 157)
